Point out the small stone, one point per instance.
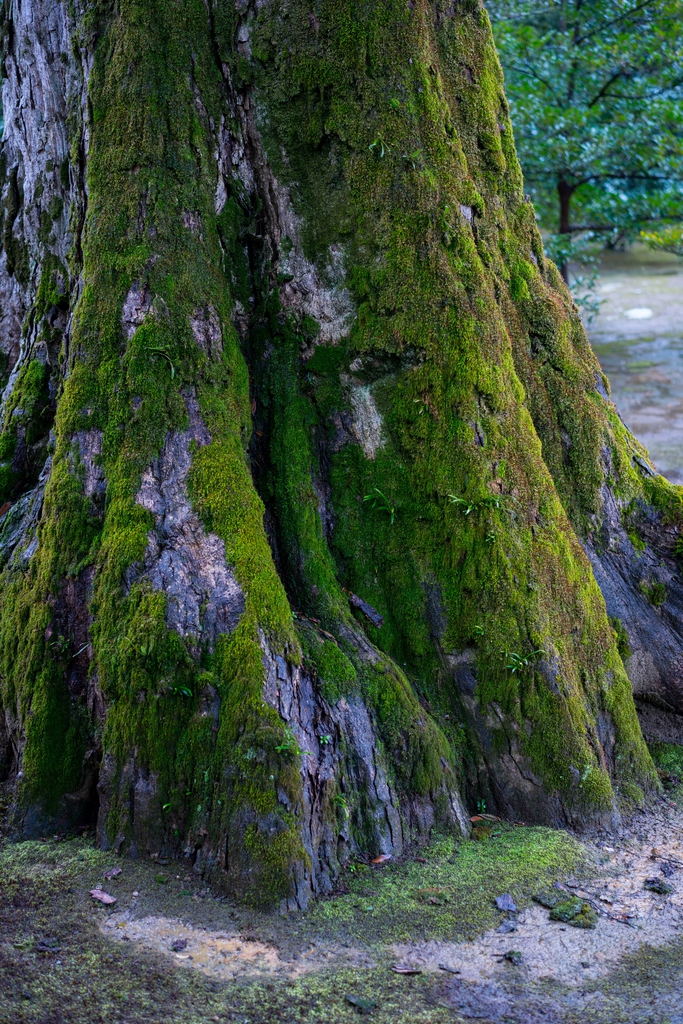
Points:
(506, 902)
(551, 899)
(566, 910)
(513, 956)
(178, 945)
(509, 925)
(659, 886)
(667, 869)
(587, 918)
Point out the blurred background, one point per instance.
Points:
(596, 95)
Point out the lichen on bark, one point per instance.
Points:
(314, 374)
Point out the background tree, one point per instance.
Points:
(595, 91)
(262, 262)
(669, 239)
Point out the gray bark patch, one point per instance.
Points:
(206, 328)
(187, 564)
(367, 421)
(90, 448)
(135, 308)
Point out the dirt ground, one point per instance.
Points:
(170, 949)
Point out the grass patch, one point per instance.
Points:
(451, 895)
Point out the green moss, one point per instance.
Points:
(623, 645)
(452, 895)
(383, 123)
(64, 172)
(379, 173)
(28, 415)
(16, 251)
(654, 592)
(335, 674)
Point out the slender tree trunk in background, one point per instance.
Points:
(272, 298)
(565, 193)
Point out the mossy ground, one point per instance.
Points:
(451, 896)
(43, 896)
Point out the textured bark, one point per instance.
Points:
(244, 250)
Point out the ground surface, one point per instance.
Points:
(66, 958)
(638, 338)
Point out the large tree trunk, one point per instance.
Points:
(272, 299)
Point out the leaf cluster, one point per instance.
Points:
(595, 91)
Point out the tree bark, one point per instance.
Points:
(299, 436)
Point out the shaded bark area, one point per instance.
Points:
(300, 571)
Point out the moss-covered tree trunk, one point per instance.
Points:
(301, 438)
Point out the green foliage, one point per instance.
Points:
(518, 662)
(380, 500)
(666, 239)
(476, 506)
(595, 92)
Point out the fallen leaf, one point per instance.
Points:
(382, 859)
(112, 873)
(476, 817)
(405, 969)
(103, 897)
(420, 860)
